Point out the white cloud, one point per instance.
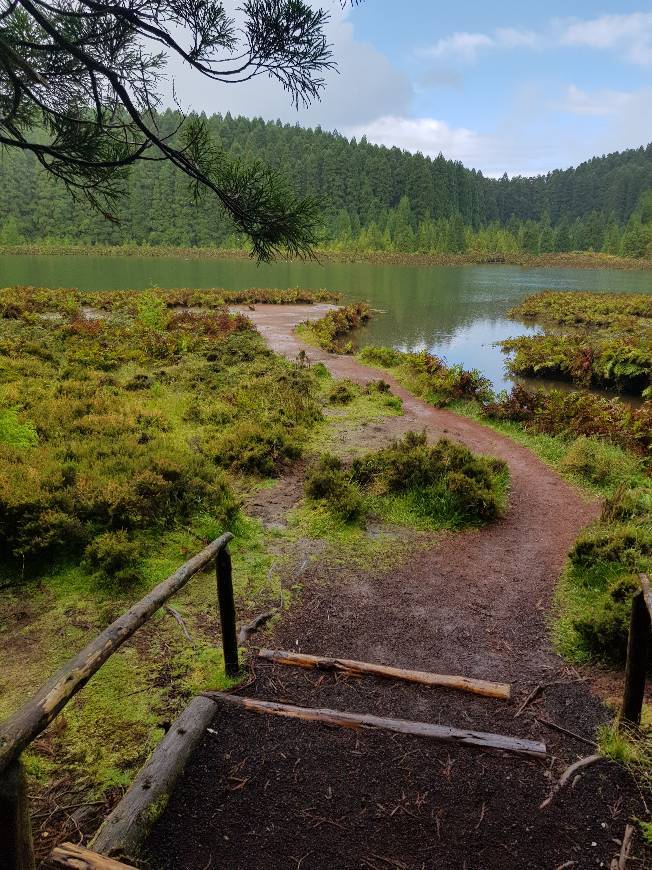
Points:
(461, 45)
(427, 135)
(512, 37)
(366, 86)
(629, 34)
(601, 103)
(466, 46)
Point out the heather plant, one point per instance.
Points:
(131, 421)
(575, 414)
(429, 377)
(328, 331)
(444, 484)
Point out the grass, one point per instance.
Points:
(122, 442)
(329, 331)
(571, 260)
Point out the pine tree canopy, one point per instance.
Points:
(80, 86)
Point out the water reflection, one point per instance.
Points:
(455, 312)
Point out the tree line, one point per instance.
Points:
(372, 198)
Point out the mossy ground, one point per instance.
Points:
(52, 602)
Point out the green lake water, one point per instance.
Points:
(456, 312)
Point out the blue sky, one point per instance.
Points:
(501, 86)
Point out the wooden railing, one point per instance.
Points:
(17, 732)
(638, 653)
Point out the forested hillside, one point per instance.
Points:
(374, 198)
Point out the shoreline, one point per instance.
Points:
(574, 260)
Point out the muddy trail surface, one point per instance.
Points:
(265, 792)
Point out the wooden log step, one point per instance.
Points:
(357, 721)
(74, 857)
(464, 684)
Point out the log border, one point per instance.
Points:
(23, 726)
(639, 643)
(124, 831)
(501, 691)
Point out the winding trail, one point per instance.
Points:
(270, 793)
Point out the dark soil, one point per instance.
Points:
(269, 793)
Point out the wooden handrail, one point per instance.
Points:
(638, 653)
(646, 588)
(35, 715)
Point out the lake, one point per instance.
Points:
(456, 312)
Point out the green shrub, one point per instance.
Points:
(326, 481)
(342, 393)
(627, 504)
(604, 631)
(626, 544)
(114, 558)
(558, 412)
(385, 357)
(151, 310)
(14, 431)
(256, 449)
(330, 329)
(598, 462)
(448, 476)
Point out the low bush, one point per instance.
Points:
(586, 309)
(429, 377)
(342, 393)
(448, 475)
(330, 329)
(626, 503)
(15, 431)
(603, 633)
(256, 449)
(626, 544)
(385, 357)
(575, 414)
(444, 483)
(598, 462)
(618, 362)
(136, 420)
(114, 558)
(328, 482)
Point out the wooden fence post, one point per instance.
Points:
(16, 848)
(638, 646)
(226, 604)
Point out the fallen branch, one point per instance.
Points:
(566, 776)
(252, 627)
(175, 613)
(358, 721)
(625, 847)
(302, 660)
(566, 731)
(528, 700)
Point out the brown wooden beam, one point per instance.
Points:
(357, 721)
(465, 684)
(16, 849)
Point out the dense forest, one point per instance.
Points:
(374, 198)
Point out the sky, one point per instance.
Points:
(501, 86)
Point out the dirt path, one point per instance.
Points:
(270, 793)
